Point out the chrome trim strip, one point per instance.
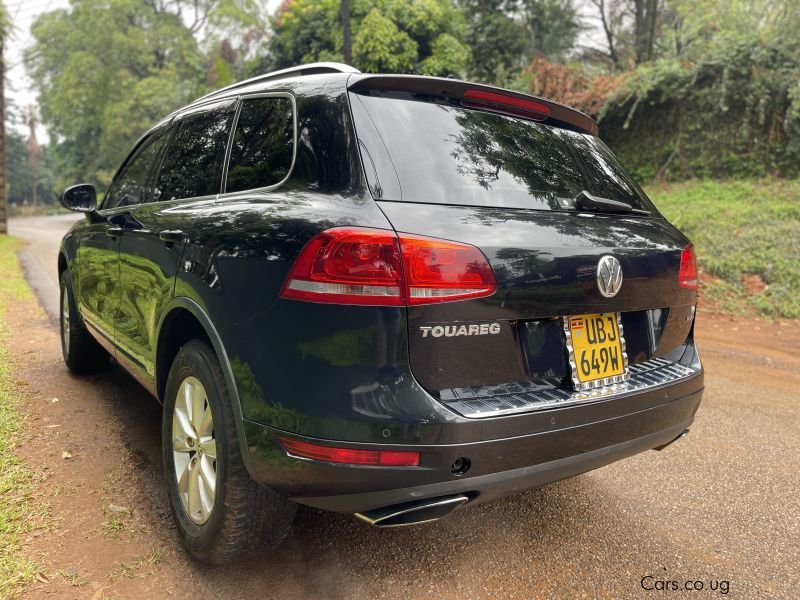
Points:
(482, 402)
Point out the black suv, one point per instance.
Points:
(384, 295)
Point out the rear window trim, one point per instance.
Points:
(571, 212)
(268, 188)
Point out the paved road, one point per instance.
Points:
(39, 258)
(720, 509)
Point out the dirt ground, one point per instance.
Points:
(721, 505)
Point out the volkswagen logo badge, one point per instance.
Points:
(609, 276)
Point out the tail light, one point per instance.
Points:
(440, 271)
(687, 276)
(352, 456)
(350, 265)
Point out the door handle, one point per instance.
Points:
(171, 237)
(114, 231)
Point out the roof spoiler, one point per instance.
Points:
(484, 97)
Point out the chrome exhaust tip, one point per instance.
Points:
(683, 433)
(413, 513)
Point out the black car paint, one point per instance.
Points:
(284, 359)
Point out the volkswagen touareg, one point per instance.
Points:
(383, 295)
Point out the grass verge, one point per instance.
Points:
(747, 237)
(15, 477)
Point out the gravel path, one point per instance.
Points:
(720, 508)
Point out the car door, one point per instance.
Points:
(189, 172)
(98, 289)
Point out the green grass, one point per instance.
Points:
(741, 229)
(15, 477)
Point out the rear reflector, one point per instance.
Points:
(687, 276)
(507, 104)
(352, 265)
(352, 456)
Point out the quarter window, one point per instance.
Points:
(263, 144)
(129, 187)
(193, 162)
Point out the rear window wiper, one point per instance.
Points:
(587, 201)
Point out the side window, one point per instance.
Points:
(129, 185)
(263, 144)
(193, 161)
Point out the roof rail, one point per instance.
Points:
(309, 69)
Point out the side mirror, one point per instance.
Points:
(80, 198)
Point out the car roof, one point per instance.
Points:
(559, 114)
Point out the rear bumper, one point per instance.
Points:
(498, 467)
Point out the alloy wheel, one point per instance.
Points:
(194, 450)
(65, 318)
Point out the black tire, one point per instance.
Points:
(246, 517)
(82, 354)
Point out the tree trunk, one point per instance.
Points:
(3, 198)
(644, 29)
(347, 48)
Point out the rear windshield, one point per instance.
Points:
(447, 154)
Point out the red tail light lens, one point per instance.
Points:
(350, 265)
(440, 271)
(508, 104)
(687, 276)
(352, 456)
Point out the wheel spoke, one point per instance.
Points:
(193, 499)
(206, 425)
(179, 444)
(209, 447)
(182, 470)
(209, 474)
(198, 401)
(181, 426)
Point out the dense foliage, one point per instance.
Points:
(682, 88)
(388, 36)
(747, 235)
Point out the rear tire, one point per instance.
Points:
(82, 353)
(221, 514)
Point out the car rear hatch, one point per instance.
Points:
(527, 183)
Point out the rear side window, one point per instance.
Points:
(263, 144)
(130, 185)
(192, 165)
(447, 154)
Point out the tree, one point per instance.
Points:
(387, 35)
(630, 28)
(107, 70)
(5, 26)
(34, 152)
(504, 34)
(497, 39)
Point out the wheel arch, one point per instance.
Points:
(184, 319)
(62, 263)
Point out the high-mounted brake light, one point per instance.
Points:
(352, 456)
(687, 276)
(353, 265)
(507, 104)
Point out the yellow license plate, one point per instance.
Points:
(597, 349)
